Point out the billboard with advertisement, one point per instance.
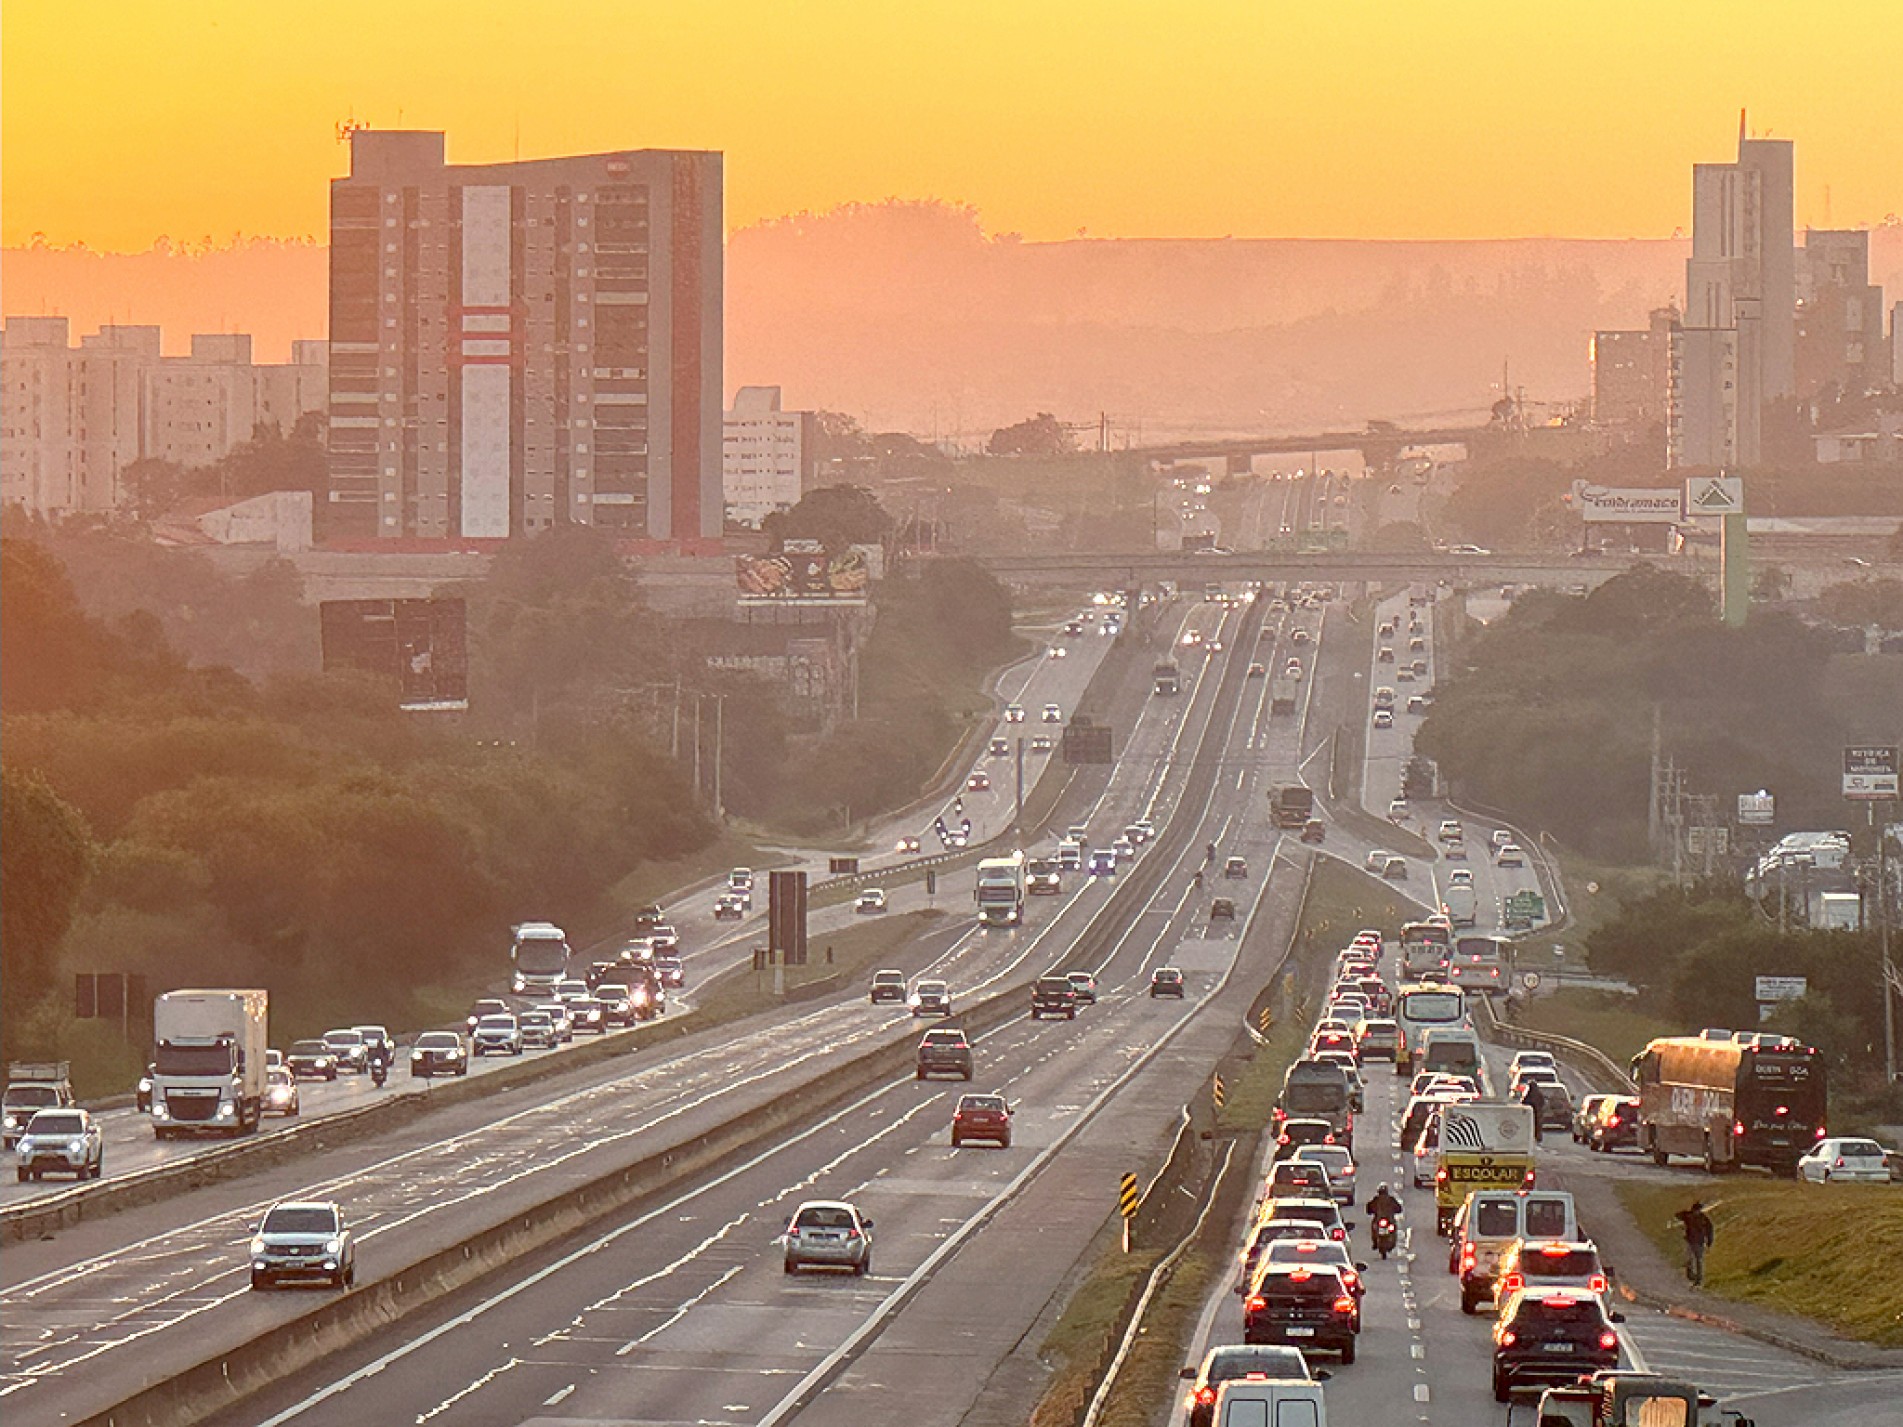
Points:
(421, 644)
(803, 573)
(1757, 809)
(1870, 772)
(1642, 505)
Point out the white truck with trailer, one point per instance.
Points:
(208, 1066)
(1001, 890)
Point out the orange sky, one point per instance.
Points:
(1349, 118)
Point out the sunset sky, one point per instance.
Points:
(131, 119)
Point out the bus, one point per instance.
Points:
(1418, 1008)
(1730, 1100)
(1479, 963)
(540, 957)
(1424, 950)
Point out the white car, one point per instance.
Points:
(496, 1035)
(61, 1140)
(870, 900)
(1383, 719)
(1510, 855)
(1450, 831)
(1014, 713)
(1397, 809)
(1845, 1161)
(1377, 859)
(1052, 714)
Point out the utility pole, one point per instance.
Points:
(697, 746)
(674, 743)
(1017, 820)
(720, 749)
(1652, 809)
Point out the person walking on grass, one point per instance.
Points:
(1697, 1227)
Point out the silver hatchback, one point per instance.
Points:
(828, 1233)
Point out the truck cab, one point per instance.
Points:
(209, 1070)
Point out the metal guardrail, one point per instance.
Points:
(1611, 1076)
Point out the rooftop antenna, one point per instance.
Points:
(349, 126)
(1742, 133)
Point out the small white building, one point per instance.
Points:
(765, 455)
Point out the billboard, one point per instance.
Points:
(421, 644)
(1870, 772)
(1642, 505)
(1714, 495)
(803, 573)
(1757, 809)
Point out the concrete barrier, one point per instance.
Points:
(1598, 1066)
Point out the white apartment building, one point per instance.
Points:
(764, 455)
(76, 417)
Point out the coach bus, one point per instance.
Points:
(1730, 1100)
(1419, 1009)
(1478, 962)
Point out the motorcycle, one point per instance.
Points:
(379, 1072)
(1384, 1236)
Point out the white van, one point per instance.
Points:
(1270, 1402)
(1070, 855)
(1490, 1220)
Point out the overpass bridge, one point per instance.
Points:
(1379, 445)
(1336, 566)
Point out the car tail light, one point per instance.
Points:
(1783, 1110)
(1608, 1340)
(1256, 1304)
(1526, 1180)
(1820, 1132)
(1440, 1175)
(1204, 1396)
(1467, 1254)
(1597, 1283)
(1737, 1128)
(1554, 1251)
(1338, 1232)
(1611, 1120)
(1511, 1283)
(1508, 1338)
(1839, 1164)
(1345, 1304)
(1350, 1278)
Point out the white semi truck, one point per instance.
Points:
(1001, 890)
(209, 1062)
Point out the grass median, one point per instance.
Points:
(1824, 1252)
(1609, 1020)
(838, 960)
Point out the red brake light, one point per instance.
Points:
(1559, 1303)
(1737, 1129)
(1337, 1232)
(1256, 1304)
(1554, 1251)
(1608, 1341)
(1205, 1396)
(1612, 1120)
(1350, 1277)
(1345, 1304)
(1511, 1283)
(1301, 1275)
(1820, 1132)
(1839, 1163)
(1597, 1283)
(1784, 1109)
(1508, 1338)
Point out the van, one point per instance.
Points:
(1070, 855)
(1270, 1402)
(1453, 1050)
(1490, 1220)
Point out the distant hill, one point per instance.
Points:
(911, 317)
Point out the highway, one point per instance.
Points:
(173, 1273)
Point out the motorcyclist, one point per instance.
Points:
(1384, 1205)
(379, 1061)
(1209, 852)
(1198, 877)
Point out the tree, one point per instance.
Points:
(1770, 584)
(45, 853)
(1876, 600)
(835, 516)
(56, 657)
(1040, 435)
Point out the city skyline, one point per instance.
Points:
(1049, 123)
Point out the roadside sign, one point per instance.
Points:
(1218, 1093)
(1127, 1196)
(1714, 495)
(931, 881)
(1781, 988)
(1757, 809)
(842, 866)
(1870, 771)
(1530, 980)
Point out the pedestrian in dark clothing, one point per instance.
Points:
(1535, 1099)
(1699, 1234)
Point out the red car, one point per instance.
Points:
(982, 1117)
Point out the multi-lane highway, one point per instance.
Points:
(675, 1308)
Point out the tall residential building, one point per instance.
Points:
(76, 417)
(1840, 341)
(515, 345)
(1742, 278)
(766, 455)
(1631, 372)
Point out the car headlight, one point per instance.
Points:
(145, 1085)
(159, 1110)
(13, 1122)
(226, 1110)
(416, 1055)
(257, 1244)
(333, 1246)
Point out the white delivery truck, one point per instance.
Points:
(209, 1062)
(1001, 890)
(1459, 904)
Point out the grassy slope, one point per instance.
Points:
(1824, 1252)
(1600, 1018)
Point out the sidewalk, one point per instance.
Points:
(1644, 1276)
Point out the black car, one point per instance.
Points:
(1166, 981)
(1614, 1125)
(944, 1051)
(1292, 1135)
(1222, 909)
(1309, 1307)
(1547, 1336)
(1233, 1361)
(1053, 996)
(312, 1060)
(438, 1053)
(600, 971)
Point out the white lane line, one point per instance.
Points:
(680, 1312)
(1420, 1392)
(551, 1400)
(476, 1386)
